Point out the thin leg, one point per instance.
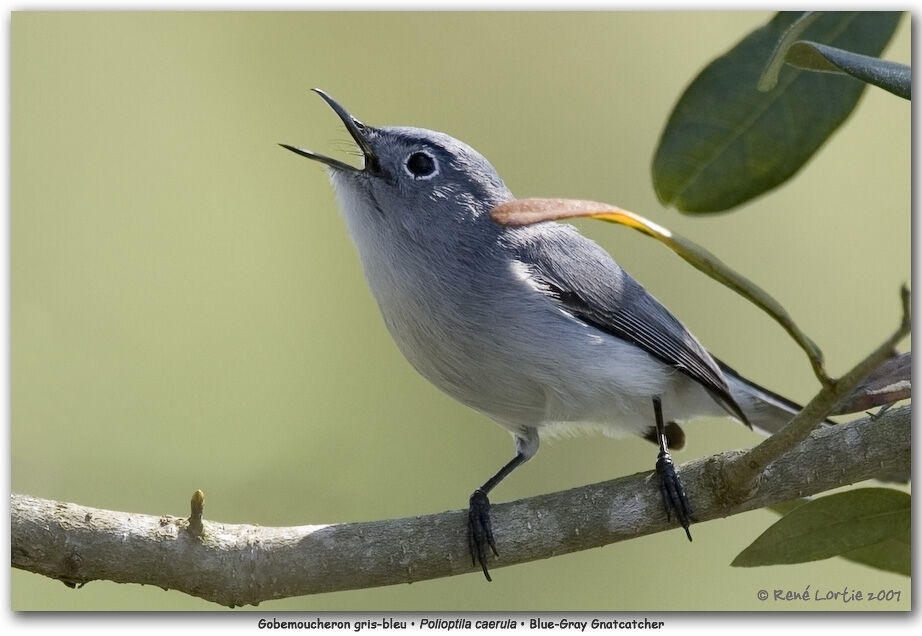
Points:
(479, 525)
(670, 486)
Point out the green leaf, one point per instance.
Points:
(893, 554)
(727, 142)
(830, 526)
(890, 76)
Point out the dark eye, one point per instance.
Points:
(421, 165)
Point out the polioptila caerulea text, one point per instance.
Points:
(534, 326)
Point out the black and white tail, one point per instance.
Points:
(768, 412)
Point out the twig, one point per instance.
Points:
(527, 211)
(745, 470)
(195, 518)
(888, 383)
(244, 564)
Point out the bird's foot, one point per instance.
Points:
(673, 492)
(480, 530)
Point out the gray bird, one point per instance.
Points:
(535, 326)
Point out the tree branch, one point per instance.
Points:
(244, 564)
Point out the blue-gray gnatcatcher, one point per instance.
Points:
(535, 326)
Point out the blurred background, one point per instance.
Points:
(188, 311)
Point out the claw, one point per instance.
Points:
(480, 530)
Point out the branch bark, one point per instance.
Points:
(245, 564)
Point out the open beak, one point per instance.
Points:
(357, 129)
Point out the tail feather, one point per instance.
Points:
(767, 411)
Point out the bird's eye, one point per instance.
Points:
(421, 165)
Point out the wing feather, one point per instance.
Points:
(583, 279)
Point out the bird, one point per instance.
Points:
(536, 326)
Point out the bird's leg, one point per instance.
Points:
(670, 486)
(479, 526)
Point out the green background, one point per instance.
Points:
(188, 310)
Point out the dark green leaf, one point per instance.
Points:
(726, 142)
(893, 554)
(890, 76)
(830, 526)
